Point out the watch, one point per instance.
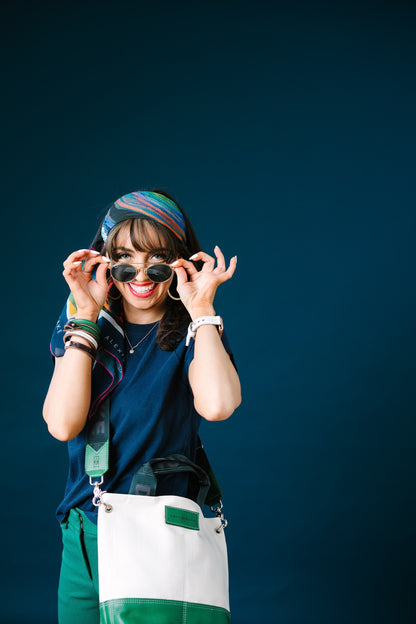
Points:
(203, 320)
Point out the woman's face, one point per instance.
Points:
(144, 301)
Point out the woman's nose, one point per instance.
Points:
(141, 275)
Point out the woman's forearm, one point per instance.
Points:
(213, 377)
(67, 402)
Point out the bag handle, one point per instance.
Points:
(145, 479)
(214, 495)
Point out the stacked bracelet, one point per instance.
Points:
(78, 345)
(82, 334)
(84, 329)
(82, 324)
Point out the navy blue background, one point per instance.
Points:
(287, 132)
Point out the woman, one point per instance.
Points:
(124, 338)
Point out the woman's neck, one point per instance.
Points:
(143, 317)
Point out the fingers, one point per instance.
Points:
(80, 255)
(230, 271)
(186, 271)
(181, 276)
(84, 266)
(101, 273)
(84, 260)
(186, 264)
(220, 258)
(85, 274)
(209, 263)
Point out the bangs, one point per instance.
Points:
(144, 235)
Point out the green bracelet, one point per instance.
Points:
(87, 326)
(90, 330)
(89, 323)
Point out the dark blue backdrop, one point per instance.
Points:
(287, 132)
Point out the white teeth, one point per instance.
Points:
(141, 289)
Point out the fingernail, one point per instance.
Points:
(77, 262)
(235, 258)
(194, 256)
(174, 263)
(94, 251)
(106, 259)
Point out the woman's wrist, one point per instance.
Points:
(88, 316)
(207, 310)
(87, 336)
(206, 320)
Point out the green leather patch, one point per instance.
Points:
(96, 462)
(182, 517)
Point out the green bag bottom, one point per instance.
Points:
(153, 611)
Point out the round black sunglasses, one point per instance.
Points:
(157, 273)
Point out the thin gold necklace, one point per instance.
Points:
(131, 350)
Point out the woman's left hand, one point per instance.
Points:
(197, 288)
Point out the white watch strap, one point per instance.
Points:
(203, 320)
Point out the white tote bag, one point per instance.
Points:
(161, 561)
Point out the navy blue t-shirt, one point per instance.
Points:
(152, 414)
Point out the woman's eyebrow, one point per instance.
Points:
(148, 251)
(122, 249)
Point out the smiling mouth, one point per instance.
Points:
(141, 290)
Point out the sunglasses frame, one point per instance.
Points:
(146, 268)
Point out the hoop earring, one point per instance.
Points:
(109, 296)
(114, 298)
(172, 297)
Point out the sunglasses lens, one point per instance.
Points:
(123, 272)
(159, 273)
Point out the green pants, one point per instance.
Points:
(78, 584)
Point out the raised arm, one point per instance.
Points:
(67, 402)
(213, 378)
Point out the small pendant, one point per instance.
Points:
(131, 351)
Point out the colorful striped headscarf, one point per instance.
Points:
(149, 205)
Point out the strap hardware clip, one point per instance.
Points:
(97, 495)
(220, 515)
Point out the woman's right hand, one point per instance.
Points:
(89, 293)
